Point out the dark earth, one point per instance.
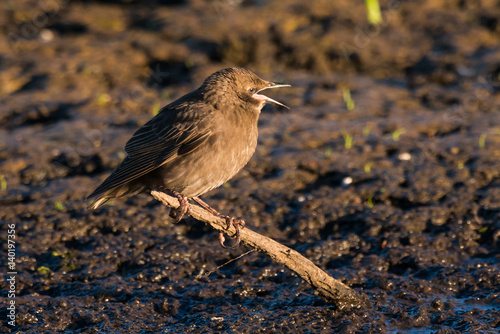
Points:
(385, 172)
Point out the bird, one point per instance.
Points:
(194, 144)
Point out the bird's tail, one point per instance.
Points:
(130, 188)
(98, 202)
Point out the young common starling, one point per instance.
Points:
(194, 144)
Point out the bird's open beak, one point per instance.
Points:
(266, 99)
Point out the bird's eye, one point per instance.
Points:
(251, 90)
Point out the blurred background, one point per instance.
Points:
(385, 172)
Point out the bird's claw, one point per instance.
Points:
(183, 209)
(238, 225)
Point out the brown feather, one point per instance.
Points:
(171, 133)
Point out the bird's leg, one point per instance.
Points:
(207, 207)
(184, 206)
(237, 223)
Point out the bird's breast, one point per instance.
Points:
(234, 147)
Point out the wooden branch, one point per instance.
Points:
(327, 287)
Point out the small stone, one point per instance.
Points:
(404, 156)
(46, 35)
(346, 181)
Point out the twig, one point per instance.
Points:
(327, 287)
(224, 264)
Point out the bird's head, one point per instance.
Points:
(246, 86)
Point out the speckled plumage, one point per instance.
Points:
(195, 143)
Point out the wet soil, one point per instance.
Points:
(396, 193)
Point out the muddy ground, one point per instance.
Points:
(395, 191)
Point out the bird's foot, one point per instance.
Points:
(184, 206)
(237, 223)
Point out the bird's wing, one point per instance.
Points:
(175, 131)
